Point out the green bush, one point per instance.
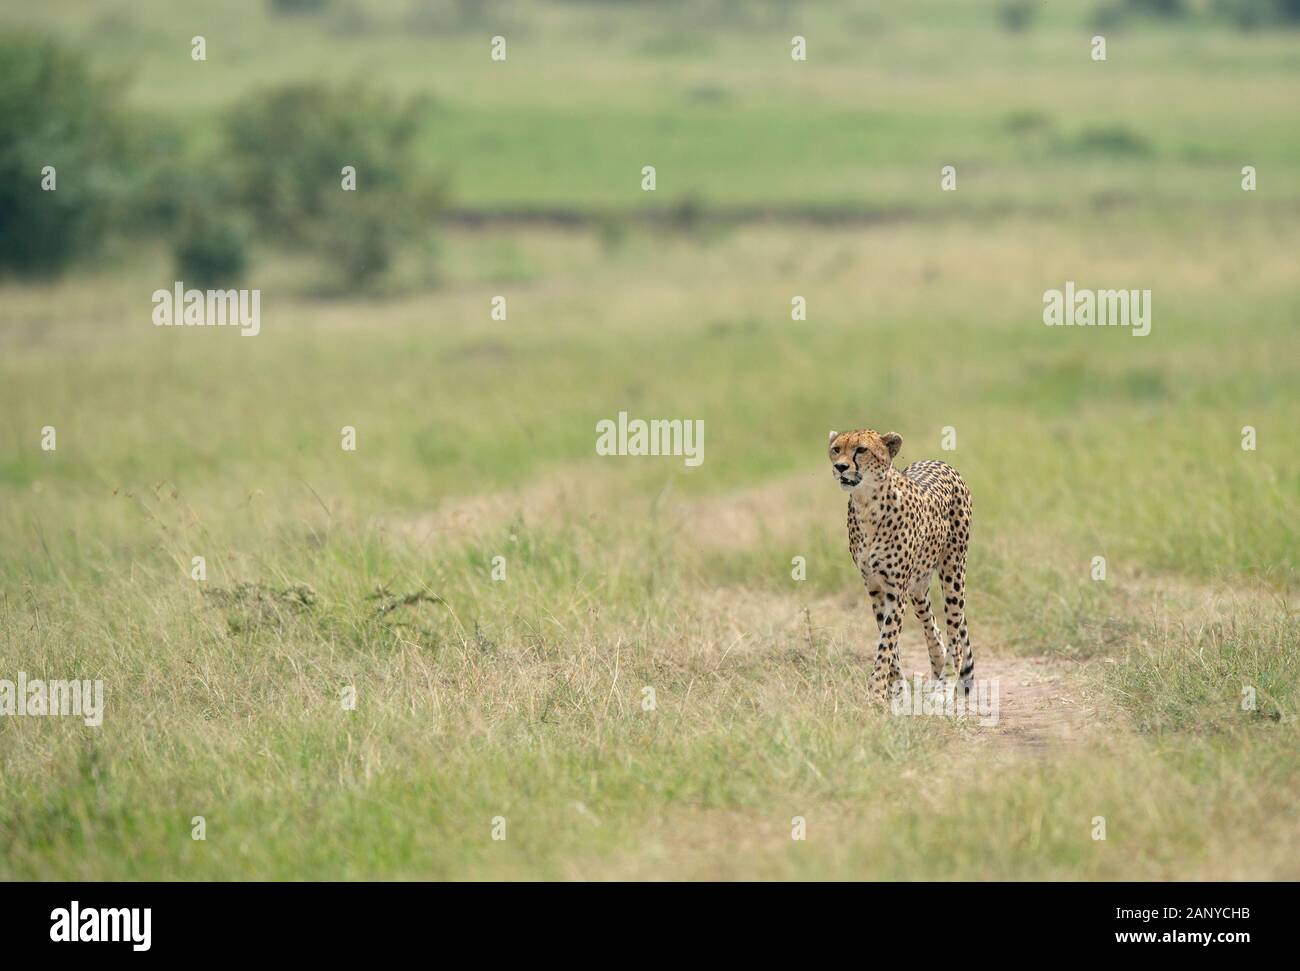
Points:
(211, 251)
(280, 165)
(1249, 14)
(287, 149)
(1113, 139)
(298, 6)
(53, 112)
(1159, 8)
(288, 146)
(360, 238)
(1017, 15)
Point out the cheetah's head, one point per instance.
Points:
(862, 457)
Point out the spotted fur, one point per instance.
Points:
(904, 527)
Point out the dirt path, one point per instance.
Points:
(1041, 703)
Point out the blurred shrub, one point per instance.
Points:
(687, 212)
(360, 238)
(167, 189)
(211, 250)
(1259, 13)
(1246, 14)
(1159, 8)
(287, 148)
(1110, 140)
(353, 20)
(298, 6)
(1109, 15)
(54, 112)
(612, 231)
(1027, 121)
(462, 15)
(1017, 15)
(278, 169)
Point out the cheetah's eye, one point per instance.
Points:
(859, 450)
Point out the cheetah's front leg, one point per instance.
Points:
(889, 617)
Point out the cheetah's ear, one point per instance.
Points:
(893, 441)
(834, 435)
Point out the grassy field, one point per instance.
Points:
(522, 698)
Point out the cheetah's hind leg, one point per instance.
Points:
(952, 577)
(925, 614)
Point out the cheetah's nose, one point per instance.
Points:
(841, 466)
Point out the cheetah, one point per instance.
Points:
(903, 528)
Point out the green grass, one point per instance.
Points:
(887, 97)
(523, 698)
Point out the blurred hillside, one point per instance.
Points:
(590, 92)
